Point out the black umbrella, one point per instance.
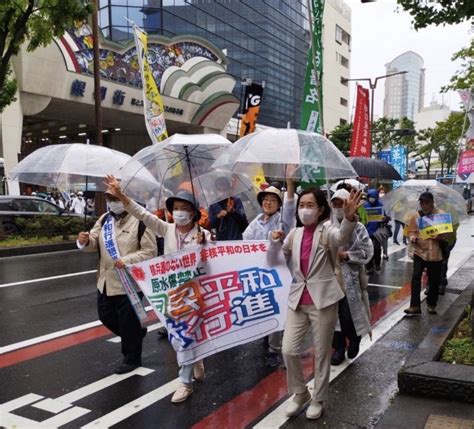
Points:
(374, 168)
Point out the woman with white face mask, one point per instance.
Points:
(314, 293)
(184, 232)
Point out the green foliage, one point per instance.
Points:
(440, 12)
(388, 132)
(460, 348)
(51, 226)
(34, 21)
(341, 137)
(464, 77)
(447, 134)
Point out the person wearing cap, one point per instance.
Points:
(354, 308)
(275, 215)
(78, 204)
(113, 305)
(311, 251)
(183, 233)
(427, 253)
(227, 216)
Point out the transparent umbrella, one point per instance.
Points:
(353, 182)
(287, 153)
(403, 202)
(182, 162)
(67, 166)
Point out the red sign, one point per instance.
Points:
(466, 162)
(361, 144)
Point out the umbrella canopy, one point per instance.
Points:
(403, 202)
(286, 153)
(182, 162)
(65, 166)
(374, 168)
(354, 183)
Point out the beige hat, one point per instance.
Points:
(342, 194)
(270, 190)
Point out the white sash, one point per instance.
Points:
(108, 234)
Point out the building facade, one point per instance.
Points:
(265, 41)
(404, 94)
(428, 116)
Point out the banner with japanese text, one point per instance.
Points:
(375, 214)
(215, 297)
(313, 91)
(252, 101)
(361, 143)
(152, 102)
(435, 224)
(465, 167)
(398, 159)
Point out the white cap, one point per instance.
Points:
(342, 194)
(80, 193)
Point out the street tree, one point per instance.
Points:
(341, 137)
(382, 134)
(35, 22)
(440, 12)
(464, 77)
(426, 140)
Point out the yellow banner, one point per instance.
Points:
(152, 102)
(434, 225)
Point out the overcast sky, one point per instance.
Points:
(379, 34)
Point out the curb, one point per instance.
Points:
(32, 250)
(423, 375)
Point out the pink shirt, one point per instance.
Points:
(306, 246)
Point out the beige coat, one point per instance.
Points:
(126, 237)
(321, 281)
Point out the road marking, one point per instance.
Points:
(150, 328)
(385, 286)
(277, 417)
(20, 402)
(53, 335)
(43, 279)
(131, 408)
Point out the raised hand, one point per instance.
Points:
(113, 186)
(351, 204)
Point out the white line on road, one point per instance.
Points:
(43, 279)
(53, 335)
(385, 286)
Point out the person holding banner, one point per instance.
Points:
(183, 233)
(277, 214)
(130, 242)
(376, 219)
(427, 241)
(311, 251)
(354, 308)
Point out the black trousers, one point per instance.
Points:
(347, 327)
(434, 276)
(377, 258)
(118, 315)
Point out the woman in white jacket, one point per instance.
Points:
(184, 232)
(311, 251)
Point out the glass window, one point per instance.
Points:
(104, 18)
(118, 16)
(45, 207)
(343, 101)
(136, 15)
(338, 34)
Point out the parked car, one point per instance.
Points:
(13, 207)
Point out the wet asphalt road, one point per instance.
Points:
(238, 390)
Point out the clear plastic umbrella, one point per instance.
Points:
(353, 182)
(183, 162)
(287, 153)
(67, 166)
(403, 202)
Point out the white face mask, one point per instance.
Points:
(182, 217)
(372, 200)
(116, 207)
(381, 194)
(307, 216)
(339, 213)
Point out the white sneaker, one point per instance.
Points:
(198, 370)
(297, 403)
(183, 392)
(314, 410)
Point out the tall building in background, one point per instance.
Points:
(404, 94)
(264, 41)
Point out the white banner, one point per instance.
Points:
(215, 297)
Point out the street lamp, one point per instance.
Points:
(373, 85)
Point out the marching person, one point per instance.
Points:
(427, 253)
(275, 215)
(134, 244)
(354, 308)
(78, 204)
(311, 250)
(183, 233)
(227, 216)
